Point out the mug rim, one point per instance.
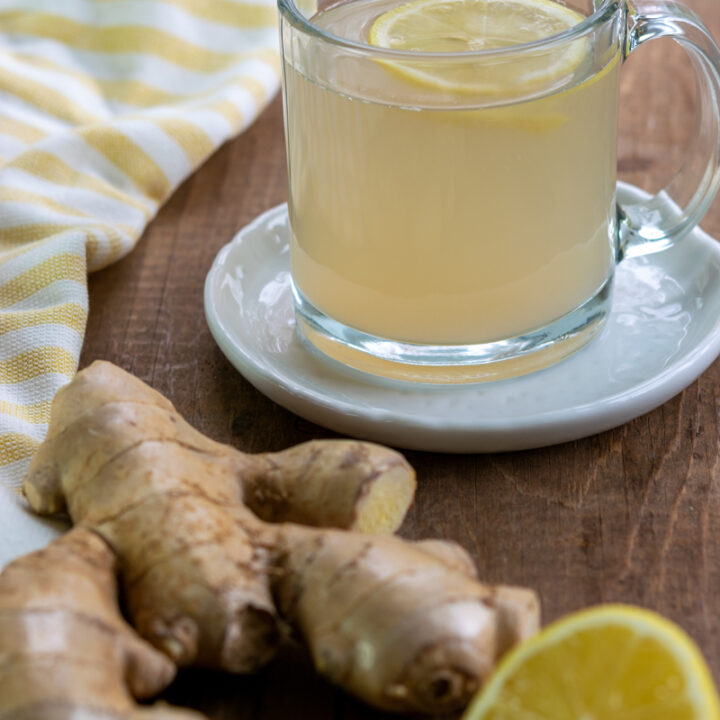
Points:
(605, 11)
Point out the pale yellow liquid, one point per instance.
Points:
(448, 225)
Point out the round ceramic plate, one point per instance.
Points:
(663, 331)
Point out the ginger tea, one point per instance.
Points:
(438, 212)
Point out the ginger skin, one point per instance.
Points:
(341, 484)
(393, 623)
(65, 651)
(216, 551)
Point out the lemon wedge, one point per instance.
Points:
(448, 26)
(612, 662)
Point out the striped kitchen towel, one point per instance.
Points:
(105, 107)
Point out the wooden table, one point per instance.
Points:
(627, 516)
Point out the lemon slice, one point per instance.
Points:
(442, 26)
(613, 662)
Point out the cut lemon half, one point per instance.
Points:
(612, 662)
(449, 26)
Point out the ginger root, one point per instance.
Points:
(170, 501)
(218, 550)
(65, 651)
(394, 624)
(337, 483)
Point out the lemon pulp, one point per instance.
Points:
(607, 663)
(468, 25)
(452, 26)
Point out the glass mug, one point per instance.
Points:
(453, 215)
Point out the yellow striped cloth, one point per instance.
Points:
(105, 107)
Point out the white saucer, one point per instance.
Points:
(663, 332)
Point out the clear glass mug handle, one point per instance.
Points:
(654, 225)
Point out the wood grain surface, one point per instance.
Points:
(631, 515)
